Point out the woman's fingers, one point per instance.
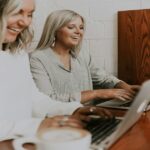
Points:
(124, 95)
(84, 118)
(120, 94)
(84, 113)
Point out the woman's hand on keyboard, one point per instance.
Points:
(85, 113)
(131, 89)
(120, 94)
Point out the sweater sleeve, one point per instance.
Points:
(100, 78)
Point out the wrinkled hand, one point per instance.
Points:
(60, 121)
(84, 113)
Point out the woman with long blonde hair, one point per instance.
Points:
(64, 71)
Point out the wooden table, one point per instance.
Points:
(137, 138)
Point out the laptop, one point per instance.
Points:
(115, 103)
(117, 127)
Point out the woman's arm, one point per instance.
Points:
(103, 83)
(105, 94)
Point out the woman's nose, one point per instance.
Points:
(24, 21)
(77, 30)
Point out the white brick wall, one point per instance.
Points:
(101, 30)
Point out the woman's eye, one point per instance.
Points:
(30, 15)
(81, 28)
(70, 27)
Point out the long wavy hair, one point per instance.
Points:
(10, 7)
(54, 22)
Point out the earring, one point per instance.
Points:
(53, 44)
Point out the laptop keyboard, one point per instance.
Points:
(116, 104)
(102, 128)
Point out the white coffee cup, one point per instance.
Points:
(57, 139)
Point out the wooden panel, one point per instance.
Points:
(134, 46)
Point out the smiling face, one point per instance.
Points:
(18, 21)
(71, 34)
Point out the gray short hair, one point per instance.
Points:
(54, 22)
